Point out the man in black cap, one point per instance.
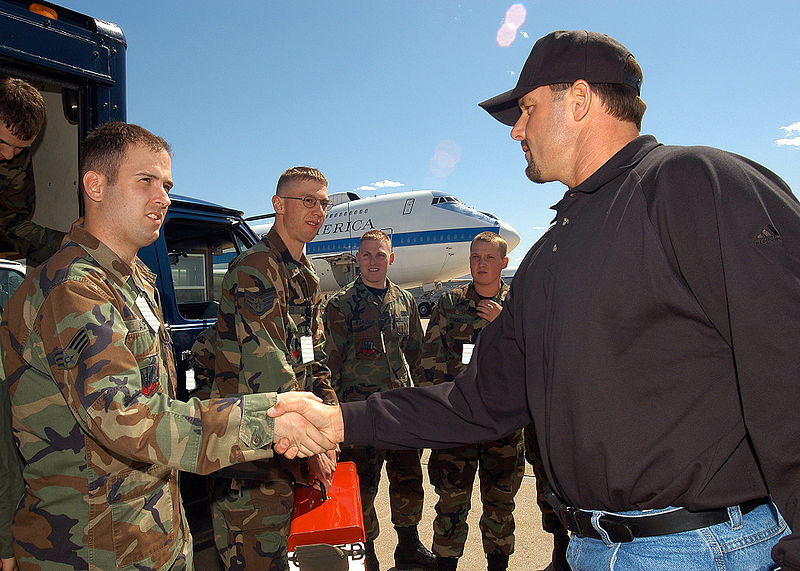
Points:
(651, 335)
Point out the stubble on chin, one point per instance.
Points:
(533, 173)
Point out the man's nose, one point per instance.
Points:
(163, 197)
(518, 130)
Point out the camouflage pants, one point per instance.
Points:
(500, 465)
(551, 523)
(251, 519)
(405, 484)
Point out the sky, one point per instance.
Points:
(382, 95)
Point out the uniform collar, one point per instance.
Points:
(275, 242)
(18, 161)
(113, 265)
(474, 296)
(391, 289)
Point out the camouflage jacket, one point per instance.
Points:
(202, 361)
(453, 322)
(372, 344)
(10, 471)
(269, 302)
(17, 204)
(92, 385)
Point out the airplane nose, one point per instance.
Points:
(509, 235)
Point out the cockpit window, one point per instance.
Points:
(443, 199)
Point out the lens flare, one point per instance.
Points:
(506, 36)
(445, 157)
(515, 17)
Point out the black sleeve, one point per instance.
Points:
(485, 402)
(732, 228)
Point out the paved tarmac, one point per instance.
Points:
(533, 545)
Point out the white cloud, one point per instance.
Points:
(388, 184)
(792, 138)
(385, 183)
(792, 128)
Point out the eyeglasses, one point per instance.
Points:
(311, 202)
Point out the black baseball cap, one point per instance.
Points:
(565, 57)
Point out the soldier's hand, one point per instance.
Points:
(489, 309)
(8, 564)
(326, 418)
(323, 466)
(294, 435)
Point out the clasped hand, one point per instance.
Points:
(304, 426)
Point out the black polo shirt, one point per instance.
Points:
(653, 337)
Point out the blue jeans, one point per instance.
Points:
(742, 543)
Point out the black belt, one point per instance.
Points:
(622, 529)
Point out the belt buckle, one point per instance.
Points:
(618, 532)
(572, 521)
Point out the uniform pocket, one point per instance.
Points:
(367, 346)
(143, 515)
(143, 343)
(140, 339)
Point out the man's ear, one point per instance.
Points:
(277, 204)
(581, 98)
(93, 185)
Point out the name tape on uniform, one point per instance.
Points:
(307, 348)
(147, 313)
(466, 353)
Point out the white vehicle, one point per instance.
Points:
(431, 231)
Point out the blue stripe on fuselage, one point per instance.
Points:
(403, 239)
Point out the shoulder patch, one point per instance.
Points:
(148, 369)
(260, 303)
(69, 356)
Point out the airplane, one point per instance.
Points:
(431, 231)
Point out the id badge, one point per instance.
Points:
(307, 348)
(147, 313)
(466, 353)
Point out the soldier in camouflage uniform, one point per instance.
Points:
(202, 361)
(11, 484)
(22, 114)
(374, 343)
(452, 331)
(92, 384)
(270, 338)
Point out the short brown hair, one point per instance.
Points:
(492, 238)
(105, 147)
(377, 235)
(620, 100)
(22, 108)
(296, 174)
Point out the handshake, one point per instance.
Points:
(304, 426)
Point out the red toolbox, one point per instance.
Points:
(328, 533)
